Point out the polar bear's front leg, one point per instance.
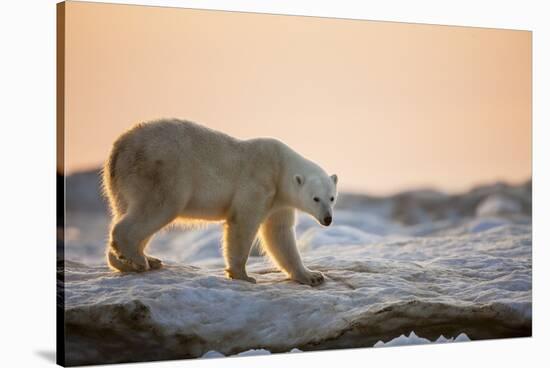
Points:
(239, 234)
(279, 240)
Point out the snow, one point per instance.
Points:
(402, 340)
(495, 205)
(251, 352)
(438, 278)
(413, 339)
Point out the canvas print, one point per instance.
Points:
(235, 184)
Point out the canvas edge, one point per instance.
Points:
(60, 182)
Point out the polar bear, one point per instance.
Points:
(172, 170)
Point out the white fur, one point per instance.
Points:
(169, 170)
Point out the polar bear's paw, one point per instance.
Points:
(124, 264)
(239, 276)
(154, 263)
(311, 278)
(134, 265)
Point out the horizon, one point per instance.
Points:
(364, 193)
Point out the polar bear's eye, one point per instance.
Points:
(332, 199)
(316, 199)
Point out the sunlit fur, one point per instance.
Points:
(170, 172)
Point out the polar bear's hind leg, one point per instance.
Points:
(130, 236)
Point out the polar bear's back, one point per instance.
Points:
(172, 142)
(162, 156)
(173, 136)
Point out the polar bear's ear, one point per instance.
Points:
(334, 178)
(299, 179)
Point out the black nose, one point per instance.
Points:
(327, 220)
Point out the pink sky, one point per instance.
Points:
(386, 106)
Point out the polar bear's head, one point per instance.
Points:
(316, 195)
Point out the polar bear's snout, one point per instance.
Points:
(325, 218)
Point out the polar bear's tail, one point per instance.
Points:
(111, 189)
